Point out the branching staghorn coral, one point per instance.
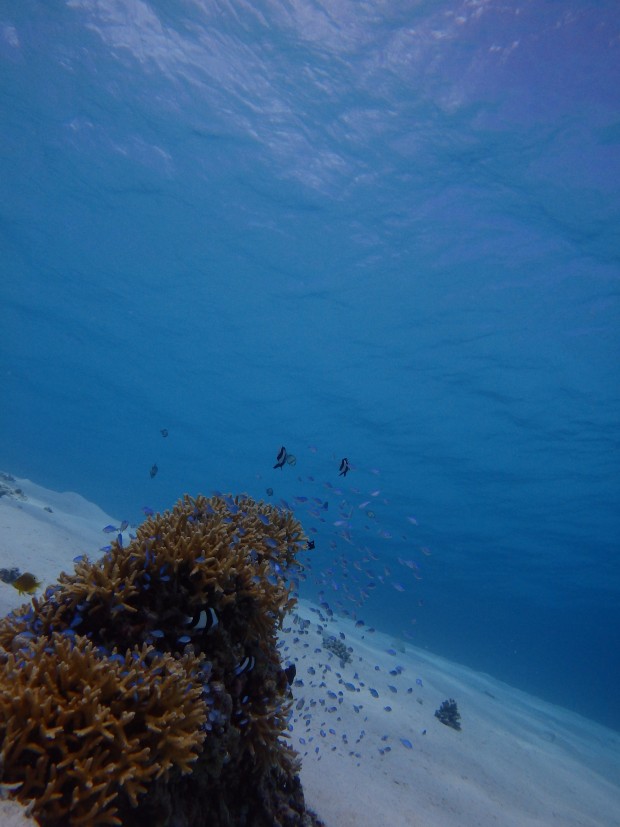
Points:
(200, 589)
(77, 727)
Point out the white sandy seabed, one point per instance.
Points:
(517, 762)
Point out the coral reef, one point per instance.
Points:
(340, 649)
(147, 687)
(75, 723)
(448, 714)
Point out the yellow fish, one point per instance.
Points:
(26, 583)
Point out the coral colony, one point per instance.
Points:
(448, 714)
(147, 687)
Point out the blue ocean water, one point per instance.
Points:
(381, 231)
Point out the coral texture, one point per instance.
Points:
(448, 714)
(161, 662)
(75, 724)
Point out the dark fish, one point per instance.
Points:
(204, 619)
(146, 510)
(290, 672)
(164, 432)
(344, 467)
(109, 529)
(153, 471)
(124, 525)
(246, 665)
(310, 544)
(26, 583)
(269, 492)
(281, 458)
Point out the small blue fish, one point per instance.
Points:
(406, 743)
(157, 633)
(184, 639)
(124, 525)
(147, 511)
(79, 558)
(110, 529)
(419, 681)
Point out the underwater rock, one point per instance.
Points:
(147, 687)
(448, 714)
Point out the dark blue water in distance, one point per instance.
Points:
(382, 231)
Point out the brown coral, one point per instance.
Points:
(78, 728)
(204, 587)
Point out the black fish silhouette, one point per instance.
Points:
(281, 458)
(153, 471)
(344, 467)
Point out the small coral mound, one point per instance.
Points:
(339, 648)
(147, 687)
(448, 714)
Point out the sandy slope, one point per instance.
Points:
(517, 761)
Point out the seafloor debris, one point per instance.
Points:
(8, 490)
(147, 687)
(448, 714)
